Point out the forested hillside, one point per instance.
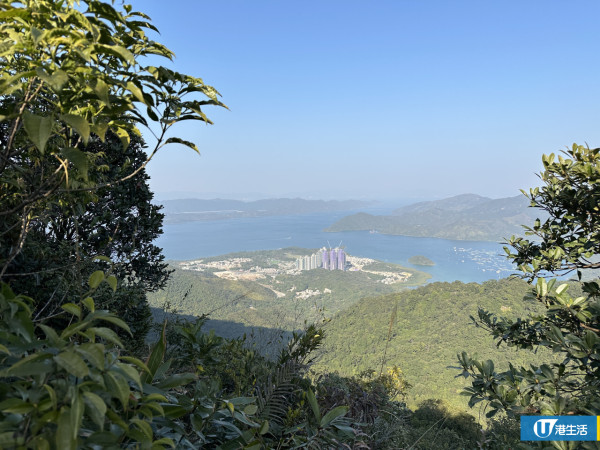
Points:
(254, 292)
(464, 217)
(431, 325)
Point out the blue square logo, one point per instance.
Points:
(559, 428)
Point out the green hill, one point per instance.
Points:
(420, 260)
(432, 325)
(464, 217)
(263, 289)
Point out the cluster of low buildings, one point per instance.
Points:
(329, 259)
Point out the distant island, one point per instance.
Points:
(467, 217)
(420, 260)
(193, 209)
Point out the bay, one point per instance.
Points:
(466, 261)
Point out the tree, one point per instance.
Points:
(74, 93)
(570, 237)
(120, 223)
(69, 75)
(570, 327)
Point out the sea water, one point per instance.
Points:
(465, 261)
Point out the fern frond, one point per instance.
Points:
(274, 397)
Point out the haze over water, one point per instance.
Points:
(466, 261)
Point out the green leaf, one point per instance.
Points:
(101, 90)
(144, 427)
(136, 362)
(312, 400)
(117, 386)
(107, 317)
(72, 309)
(163, 441)
(39, 443)
(130, 372)
(124, 53)
(64, 431)
(156, 356)
(95, 407)
(79, 160)
(79, 124)
(112, 282)
(95, 279)
(76, 413)
(488, 367)
(561, 288)
(52, 395)
(88, 302)
(12, 13)
(123, 135)
(174, 140)
(100, 129)
(590, 339)
(264, 428)
(34, 364)
(93, 352)
(38, 128)
(175, 380)
(73, 328)
(15, 406)
(51, 335)
(333, 414)
(108, 334)
(136, 91)
(72, 363)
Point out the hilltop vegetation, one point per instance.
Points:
(464, 217)
(432, 323)
(420, 260)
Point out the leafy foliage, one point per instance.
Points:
(70, 75)
(61, 386)
(59, 253)
(432, 321)
(570, 236)
(568, 325)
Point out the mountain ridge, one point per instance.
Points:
(193, 209)
(467, 217)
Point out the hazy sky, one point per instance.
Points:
(380, 99)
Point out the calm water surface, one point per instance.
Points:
(455, 260)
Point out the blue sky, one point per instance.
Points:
(381, 99)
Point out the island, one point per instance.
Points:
(420, 260)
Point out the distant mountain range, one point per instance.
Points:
(464, 217)
(188, 210)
